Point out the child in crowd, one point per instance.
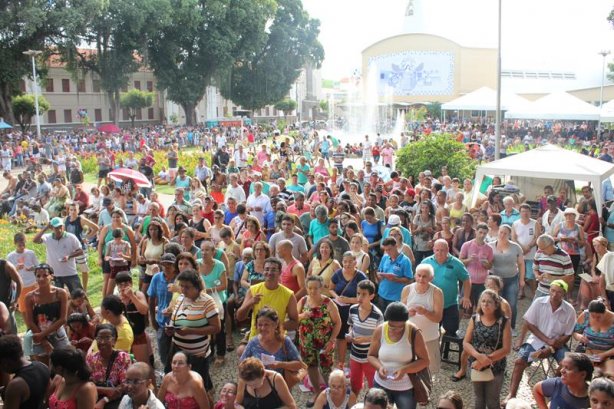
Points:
(80, 331)
(363, 319)
(24, 261)
(40, 216)
(79, 303)
(118, 253)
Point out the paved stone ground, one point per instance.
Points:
(441, 381)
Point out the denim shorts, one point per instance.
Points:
(526, 350)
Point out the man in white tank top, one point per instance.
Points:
(525, 232)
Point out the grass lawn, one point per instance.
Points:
(94, 287)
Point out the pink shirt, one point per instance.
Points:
(477, 272)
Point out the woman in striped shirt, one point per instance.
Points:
(194, 320)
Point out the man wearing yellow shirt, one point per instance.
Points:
(269, 293)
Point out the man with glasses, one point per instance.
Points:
(138, 395)
(272, 294)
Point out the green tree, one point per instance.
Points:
(201, 42)
(324, 106)
(264, 77)
(434, 151)
(286, 105)
(434, 110)
(25, 25)
(24, 108)
(115, 33)
(134, 100)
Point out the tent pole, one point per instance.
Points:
(498, 113)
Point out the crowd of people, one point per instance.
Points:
(313, 269)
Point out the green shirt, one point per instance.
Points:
(302, 176)
(447, 276)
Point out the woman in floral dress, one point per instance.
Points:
(319, 325)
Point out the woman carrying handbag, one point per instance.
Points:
(488, 341)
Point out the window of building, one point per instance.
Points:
(225, 111)
(68, 116)
(51, 119)
(150, 86)
(81, 86)
(49, 86)
(98, 115)
(96, 85)
(137, 84)
(125, 114)
(65, 85)
(139, 114)
(268, 111)
(150, 113)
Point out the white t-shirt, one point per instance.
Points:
(525, 233)
(57, 249)
(29, 260)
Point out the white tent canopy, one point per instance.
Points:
(549, 162)
(558, 105)
(483, 99)
(607, 112)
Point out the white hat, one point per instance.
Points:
(394, 220)
(570, 210)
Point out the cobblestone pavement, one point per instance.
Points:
(441, 382)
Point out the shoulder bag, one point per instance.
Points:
(421, 380)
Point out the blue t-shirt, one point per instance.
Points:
(342, 286)
(228, 216)
(447, 276)
(509, 220)
(371, 231)
(404, 232)
(286, 353)
(560, 397)
(159, 288)
(400, 267)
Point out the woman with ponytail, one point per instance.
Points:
(71, 386)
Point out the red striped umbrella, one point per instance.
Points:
(123, 174)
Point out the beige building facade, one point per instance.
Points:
(412, 68)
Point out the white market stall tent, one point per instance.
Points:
(607, 112)
(558, 105)
(549, 162)
(483, 99)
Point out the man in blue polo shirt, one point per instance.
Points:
(449, 270)
(394, 273)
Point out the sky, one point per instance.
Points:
(536, 34)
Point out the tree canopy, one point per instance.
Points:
(286, 105)
(134, 100)
(24, 25)
(434, 151)
(24, 108)
(265, 77)
(110, 41)
(201, 40)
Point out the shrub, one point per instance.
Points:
(434, 151)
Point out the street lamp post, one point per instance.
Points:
(33, 54)
(604, 54)
(498, 110)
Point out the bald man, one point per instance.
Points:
(138, 395)
(292, 271)
(449, 270)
